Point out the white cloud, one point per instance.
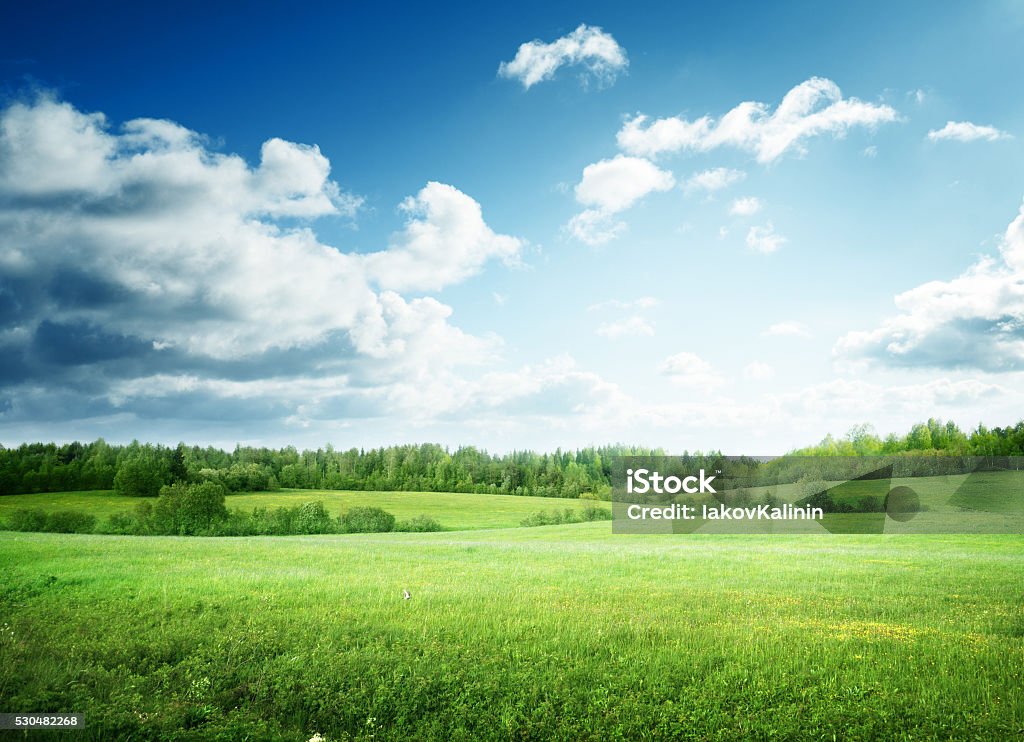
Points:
(871, 152)
(635, 326)
(965, 131)
(139, 252)
(746, 206)
(49, 148)
(758, 371)
(175, 228)
(588, 46)
(713, 180)
(859, 398)
(763, 239)
(614, 185)
(594, 227)
(812, 108)
(554, 390)
(787, 329)
(294, 181)
(445, 241)
(973, 321)
(609, 187)
(689, 369)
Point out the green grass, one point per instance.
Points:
(1000, 491)
(997, 492)
(455, 511)
(100, 503)
(564, 632)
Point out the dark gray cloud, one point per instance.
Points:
(79, 343)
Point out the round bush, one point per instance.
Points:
(367, 520)
(419, 524)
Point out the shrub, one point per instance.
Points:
(540, 518)
(122, 523)
(569, 515)
(550, 518)
(64, 521)
(238, 523)
(593, 513)
(143, 518)
(70, 521)
(419, 524)
(312, 517)
(27, 520)
(189, 509)
(868, 504)
(367, 520)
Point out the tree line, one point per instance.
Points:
(142, 469)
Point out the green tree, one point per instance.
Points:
(140, 475)
(188, 509)
(177, 469)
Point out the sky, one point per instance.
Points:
(732, 226)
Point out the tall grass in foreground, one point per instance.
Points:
(560, 632)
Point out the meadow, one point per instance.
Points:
(564, 632)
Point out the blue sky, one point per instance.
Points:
(737, 227)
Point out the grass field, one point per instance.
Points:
(565, 632)
(454, 511)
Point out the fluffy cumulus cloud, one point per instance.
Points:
(813, 108)
(445, 241)
(588, 47)
(713, 180)
(764, 239)
(965, 131)
(746, 206)
(973, 321)
(143, 272)
(616, 184)
(609, 187)
(594, 227)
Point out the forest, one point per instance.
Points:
(141, 469)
